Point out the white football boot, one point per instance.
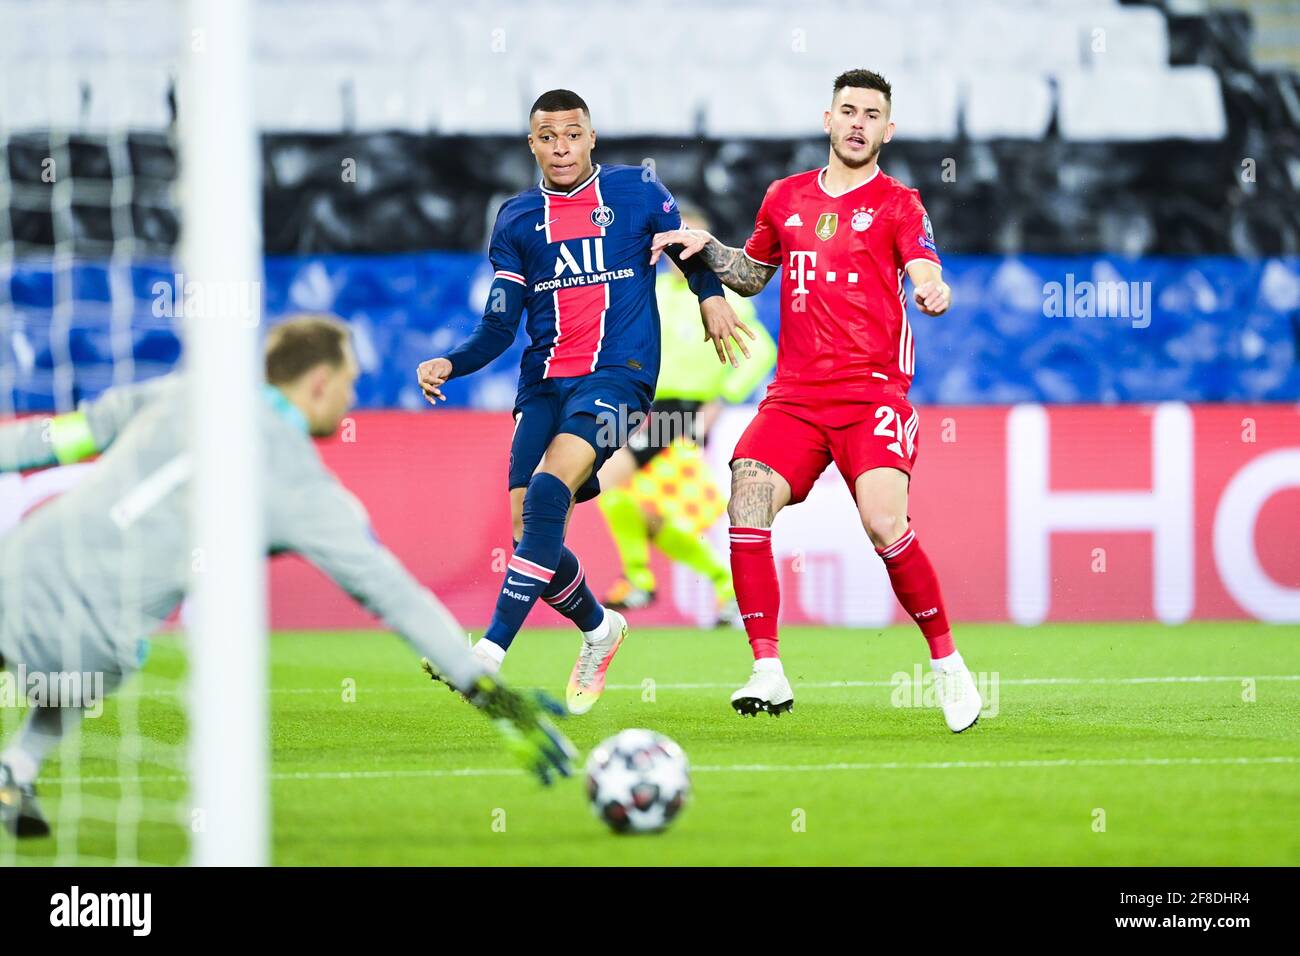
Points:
(767, 691)
(956, 691)
(587, 679)
(489, 655)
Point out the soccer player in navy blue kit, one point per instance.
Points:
(574, 252)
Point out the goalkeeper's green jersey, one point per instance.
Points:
(689, 368)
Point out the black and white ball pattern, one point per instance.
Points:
(638, 781)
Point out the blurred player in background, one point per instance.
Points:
(88, 576)
(574, 252)
(659, 488)
(843, 236)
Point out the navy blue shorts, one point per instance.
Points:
(603, 408)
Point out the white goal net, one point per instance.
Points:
(128, 181)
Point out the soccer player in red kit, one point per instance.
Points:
(843, 237)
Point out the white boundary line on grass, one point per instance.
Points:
(830, 685)
(749, 768)
(1012, 681)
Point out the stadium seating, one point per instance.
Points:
(404, 65)
(1139, 103)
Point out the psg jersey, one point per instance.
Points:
(583, 258)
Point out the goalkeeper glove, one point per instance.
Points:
(528, 732)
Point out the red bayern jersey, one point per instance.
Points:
(844, 330)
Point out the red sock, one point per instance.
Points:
(917, 588)
(757, 590)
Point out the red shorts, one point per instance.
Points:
(798, 442)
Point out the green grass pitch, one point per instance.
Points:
(1110, 744)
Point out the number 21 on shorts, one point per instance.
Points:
(890, 424)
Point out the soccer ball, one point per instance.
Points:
(638, 781)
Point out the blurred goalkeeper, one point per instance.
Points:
(69, 607)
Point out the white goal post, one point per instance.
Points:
(220, 254)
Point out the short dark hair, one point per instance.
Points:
(863, 80)
(557, 101)
(298, 344)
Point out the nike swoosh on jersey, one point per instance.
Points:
(541, 226)
(605, 405)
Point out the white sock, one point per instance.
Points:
(42, 731)
(491, 650)
(22, 764)
(952, 662)
(600, 632)
(769, 664)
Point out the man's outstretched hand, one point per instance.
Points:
(933, 297)
(691, 241)
(432, 375)
(722, 327)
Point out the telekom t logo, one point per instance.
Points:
(799, 272)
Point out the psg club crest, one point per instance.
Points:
(827, 223)
(602, 216)
(862, 219)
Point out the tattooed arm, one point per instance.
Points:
(737, 271)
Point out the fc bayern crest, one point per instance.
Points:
(862, 219)
(602, 216)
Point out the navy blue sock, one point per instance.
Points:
(531, 569)
(569, 594)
